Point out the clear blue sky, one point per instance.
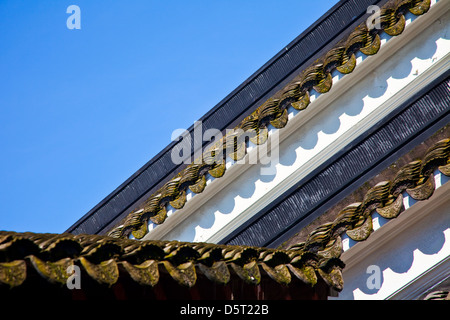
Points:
(82, 110)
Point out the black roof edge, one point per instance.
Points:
(93, 222)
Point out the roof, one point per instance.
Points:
(226, 114)
(399, 132)
(441, 291)
(108, 261)
(273, 111)
(386, 198)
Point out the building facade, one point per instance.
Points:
(330, 166)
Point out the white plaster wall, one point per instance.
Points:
(409, 254)
(349, 113)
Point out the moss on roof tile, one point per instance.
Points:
(102, 258)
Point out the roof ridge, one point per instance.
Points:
(274, 111)
(386, 198)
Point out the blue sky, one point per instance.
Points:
(82, 110)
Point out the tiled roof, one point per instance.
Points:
(273, 111)
(386, 198)
(104, 259)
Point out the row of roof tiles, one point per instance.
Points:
(273, 111)
(386, 198)
(318, 257)
(102, 257)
